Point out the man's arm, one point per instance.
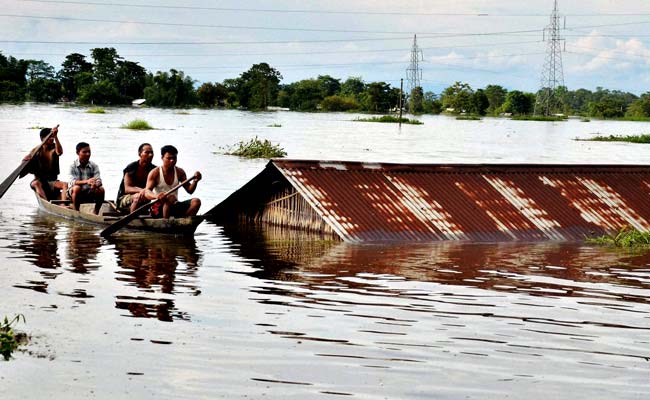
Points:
(190, 187)
(57, 145)
(129, 185)
(151, 183)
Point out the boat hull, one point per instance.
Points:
(175, 226)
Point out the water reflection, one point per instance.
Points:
(153, 264)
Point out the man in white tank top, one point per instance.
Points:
(165, 177)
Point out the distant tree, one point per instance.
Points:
(416, 100)
(496, 96)
(130, 80)
(329, 86)
(12, 79)
(74, 65)
(210, 95)
(479, 102)
(258, 86)
(339, 103)
(105, 63)
(100, 93)
(377, 97)
(431, 104)
(640, 108)
(457, 97)
(353, 86)
(519, 103)
(306, 95)
(172, 89)
(42, 85)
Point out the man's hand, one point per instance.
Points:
(197, 176)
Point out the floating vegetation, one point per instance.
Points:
(138, 124)
(96, 110)
(585, 120)
(550, 118)
(182, 113)
(37, 127)
(626, 238)
(9, 340)
(468, 118)
(275, 126)
(390, 119)
(612, 138)
(256, 148)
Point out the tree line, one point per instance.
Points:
(108, 79)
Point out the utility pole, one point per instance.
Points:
(401, 84)
(552, 74)
(413, 72)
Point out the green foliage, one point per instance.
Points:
(457, 98)
(339, 103)
(518, 103)
(212, 94)
(390, 119)
(9, 340)
(275, 126)
(468, 118)
(138, 124)
(256, 148)
(172, 89)
(496, 96)
(625, 238)
(96, 110)
(74, 65)
(103, 92)
(258, 87)
(416, 101)
(612, 138)
(640, 108)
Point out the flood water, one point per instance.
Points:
(263, 313)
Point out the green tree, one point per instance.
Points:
(377, 97)
(172, 89)
(518, 103)
(353, 86)
(306, 95)
(12, 78)
(431, 103)
(640, 108)
(416, 100)
(329, 86)
(100, 93)
(258, 86)
(496, 96)
(105, 63)
(339, 103)
(130, 80)
(74, 65)
(479, 102)
(457, 98)
(211, 94)
(42, 85)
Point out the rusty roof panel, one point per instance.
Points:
(374, 202)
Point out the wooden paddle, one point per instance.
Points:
(116, 226)
(6, 184)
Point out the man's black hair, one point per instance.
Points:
(81, 145)
(168, 149)
(142, 147)
(45, 132)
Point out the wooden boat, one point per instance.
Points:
(108, 215)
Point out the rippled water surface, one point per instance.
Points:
(261, 313)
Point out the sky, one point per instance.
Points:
(605, 43)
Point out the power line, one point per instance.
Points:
(348, 12)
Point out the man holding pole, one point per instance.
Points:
(45, 166)
(162, 179)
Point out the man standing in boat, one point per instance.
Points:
(85, 183)
(165, 177)
(45, 167)
(131, 193)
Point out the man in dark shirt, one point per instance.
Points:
(130, 196)
(45, 167)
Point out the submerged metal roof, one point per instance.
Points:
(374, 202)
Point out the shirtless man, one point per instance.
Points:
(131, 194)
(45, 167)
(165, 177)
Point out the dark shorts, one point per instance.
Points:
(85, 196)
(48, 187)
(178, 209)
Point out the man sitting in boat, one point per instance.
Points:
(131, 195)
(45, 167)
(165, 177)
(85, 183)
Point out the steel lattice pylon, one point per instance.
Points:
(552, 74)
(413, 72)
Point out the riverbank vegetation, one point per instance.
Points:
(625, 238)
(109, 79)
(256, 148)
(612, 138)
(390, 119)
(10, 340)
(96, 110)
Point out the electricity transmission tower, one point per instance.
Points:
(413, 72)
(547, 100)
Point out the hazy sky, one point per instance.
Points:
(607, 43)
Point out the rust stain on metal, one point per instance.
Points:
(374, 202)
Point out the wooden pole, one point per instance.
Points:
(401, 84)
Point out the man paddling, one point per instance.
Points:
(85, 183)
(131, 194)
(165, 177)
(45, 167)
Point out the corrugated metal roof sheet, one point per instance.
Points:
(371, 202)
